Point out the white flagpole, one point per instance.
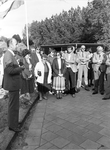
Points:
(27, 32)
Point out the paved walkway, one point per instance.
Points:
(70, 123)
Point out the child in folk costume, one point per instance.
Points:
(59, 69)
(27, 79)
(43, 74)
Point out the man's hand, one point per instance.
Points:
(60, 75)
(22, 67)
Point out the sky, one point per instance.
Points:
(35, 10)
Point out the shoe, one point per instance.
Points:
(73, 95)
(60, 95)
(89, 85)
(15, 130)
(105, 98)
(86, 88)
(93, 89)
(57, 95)
(95, 92)
(40, 97)
(77, 90)
(44, 97)
(102, 93)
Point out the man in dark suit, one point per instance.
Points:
(11, 83)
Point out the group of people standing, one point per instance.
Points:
(73, 68)
(59, 73)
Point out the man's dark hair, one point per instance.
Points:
(17, 37)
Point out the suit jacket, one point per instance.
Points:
(11, 79)
(99, 62)
(83, 57)
(34, 58)
(73, 61)
(55, 67)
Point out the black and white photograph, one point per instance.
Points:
(54, 74)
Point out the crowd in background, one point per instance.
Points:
(59, 73)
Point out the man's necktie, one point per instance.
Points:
(82, 54)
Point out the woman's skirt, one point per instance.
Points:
(59, 83)
(27, 86)
(45, 87)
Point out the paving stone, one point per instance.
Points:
(95, 121)
(37, 120)
(53, 147)
(34, 132)
(54, 128)
(33, 141)
(94, 127)
(72, 119)
(50, 117)
(39, 115)
(30, 148)
(59, 121)
(42, 142)
(44, 130)
(64, 133)
(69, 126)
(36, 126)
(45, 146)
(79, 130)
(60, 142)
(105, 131)
(82, 123)
(94, 136)
(88, 144)
(104, 141)
(48, 136)
(77, 139)
(47, 124)
(85, 117)
(71, 147)
(63, 116)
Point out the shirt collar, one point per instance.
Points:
(11, 52)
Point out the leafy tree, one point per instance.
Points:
(89, 24)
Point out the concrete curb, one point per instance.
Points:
(9, 136)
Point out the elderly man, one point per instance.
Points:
(11, 83)
(83, 68)
(99, 68)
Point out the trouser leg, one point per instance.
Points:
(80, 72)
(107, 91)
(101, 82)
(13, 109)
(85, 75)
(72, 81)
(67, 86)
(96, 83)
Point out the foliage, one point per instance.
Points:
(89, 24)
